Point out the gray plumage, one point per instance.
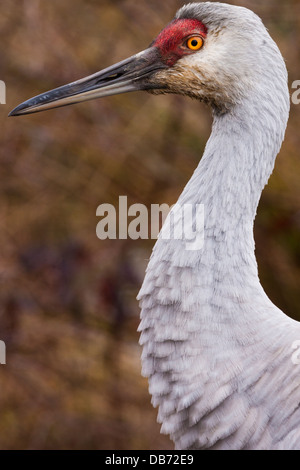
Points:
(217, 352)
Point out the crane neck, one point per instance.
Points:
(238, 160)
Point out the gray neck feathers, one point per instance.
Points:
(236, 165)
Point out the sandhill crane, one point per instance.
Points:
(217, 352)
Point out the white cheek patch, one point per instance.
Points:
(224, 57)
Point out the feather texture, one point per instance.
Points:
(216, 351)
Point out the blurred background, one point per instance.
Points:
(68, 312)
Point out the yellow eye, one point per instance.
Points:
(194, 43)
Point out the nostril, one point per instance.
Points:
(114, 76)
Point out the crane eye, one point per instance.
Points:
(194, 43)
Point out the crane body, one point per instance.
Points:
(217, 352)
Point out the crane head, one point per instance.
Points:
(211, 51)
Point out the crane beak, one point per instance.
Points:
(131, 74)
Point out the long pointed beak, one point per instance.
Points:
(129, 75)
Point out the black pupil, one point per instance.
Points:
(194, 42)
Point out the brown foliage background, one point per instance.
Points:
(68, 312)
